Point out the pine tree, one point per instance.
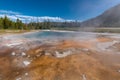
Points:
(1, 23)
(6, 22)
(18, 24)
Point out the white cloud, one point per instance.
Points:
(14, 15)
(8, 12)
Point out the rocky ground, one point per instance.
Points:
(90, 59)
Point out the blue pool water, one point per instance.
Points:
(50, 34)
(58, 35)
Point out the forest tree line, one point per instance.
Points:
(6, 23)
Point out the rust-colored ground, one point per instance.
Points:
(84, 64)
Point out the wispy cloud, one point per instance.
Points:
(8, 12)
(25, 18)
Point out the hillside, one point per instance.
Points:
(110, 18)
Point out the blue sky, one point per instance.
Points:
(66, 9)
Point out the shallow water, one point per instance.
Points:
(53, 37)
(59, 35)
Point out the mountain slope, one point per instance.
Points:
(110, 18)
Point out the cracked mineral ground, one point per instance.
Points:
(60, 55)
